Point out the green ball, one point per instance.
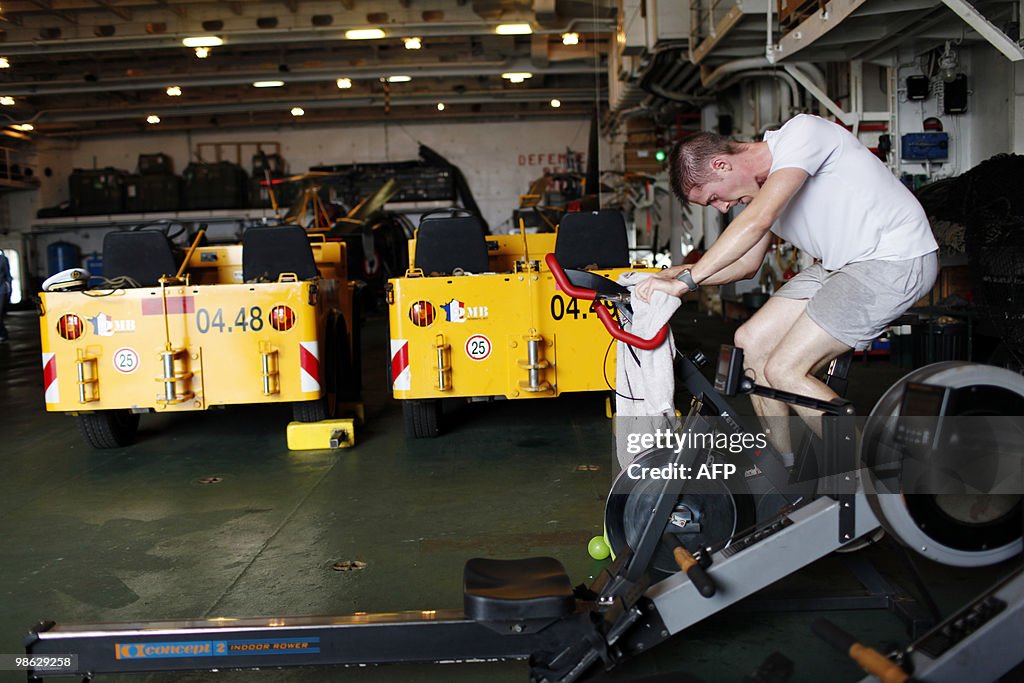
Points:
(598, 548)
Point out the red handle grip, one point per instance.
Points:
(602, 312)
(563, 282)
(639, 342)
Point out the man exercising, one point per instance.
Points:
(815, 185)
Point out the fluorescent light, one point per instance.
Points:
(24, 127)
(413, 43)
(556, 103)
(570, 38)
(298, 111)
(364, 34)
(440, 106)
(517, 76)
(344, 83)
(202, 41)
(513, 29)
(202, 52)
(5, 63)
(7, 101)
(173, 91)
(267, 84)
(152, 119)
(399, 79)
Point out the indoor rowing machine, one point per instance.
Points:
(528, 609)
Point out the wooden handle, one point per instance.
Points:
(689, 564)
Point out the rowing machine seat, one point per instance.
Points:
(512, 590)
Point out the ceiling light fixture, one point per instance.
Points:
(516, 76)
(5, 63)
(23, 127)
(298, 111)
(202, 52)
(7, 101)
(344, 83)
(413, 43)
(399, 79)
(364, 34)
(174, 91)
(152, 119)
(440, 106)
(267, 84)
(513, 29)
(555, 104)
(570, 38)
(202, 41)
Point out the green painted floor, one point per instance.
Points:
(132, 534)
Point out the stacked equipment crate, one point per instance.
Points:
(155, 187)
(220, 185)
(96, 191)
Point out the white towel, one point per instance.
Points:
(653, 379)
(645, 391)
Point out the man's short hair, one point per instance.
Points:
(690, 161)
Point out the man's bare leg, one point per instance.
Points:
(792, 363)
(758, 338)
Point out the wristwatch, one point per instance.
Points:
(687, 280)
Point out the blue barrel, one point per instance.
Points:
(63, 255)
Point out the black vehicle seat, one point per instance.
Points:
(444, 243)
(592, 239)
(269, 251)
(511, 590)
(143, 255)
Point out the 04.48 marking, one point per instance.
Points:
(250, 319)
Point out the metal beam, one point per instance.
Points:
(119, 11)
(48, 6)
(989, 31)
(813, 27)
(177, 9)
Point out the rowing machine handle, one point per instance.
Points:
(869, 659)
(602, 312)
(689, 564)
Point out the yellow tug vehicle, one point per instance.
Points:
(481, 317)
(270, 320)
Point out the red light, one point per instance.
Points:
(282, 318)
(70, 326)
(421, 313)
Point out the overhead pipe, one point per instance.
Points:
(276, 36)
(437, 70)
(347, 102)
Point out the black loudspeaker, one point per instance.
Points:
(725, 125)
(954, 95)
(917, 87)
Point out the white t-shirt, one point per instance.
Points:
(851, 208)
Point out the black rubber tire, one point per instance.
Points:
(422, 418)
(108, 428)
(310, 411)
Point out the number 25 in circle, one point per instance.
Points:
(126, 360)
(478, 347)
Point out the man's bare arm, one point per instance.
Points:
(751, 226)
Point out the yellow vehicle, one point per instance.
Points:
(481, 317)
(270, 320)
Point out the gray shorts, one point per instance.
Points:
(855, 303)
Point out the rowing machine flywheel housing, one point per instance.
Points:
(943, 451)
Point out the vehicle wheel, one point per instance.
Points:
(422, 418)
(109, 428)
(310, 411)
